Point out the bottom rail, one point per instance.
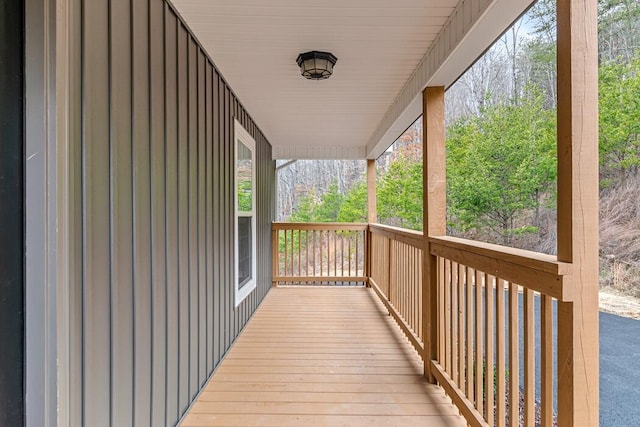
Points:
(471, 414)
(413, 339)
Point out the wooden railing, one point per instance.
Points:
(396, 276)
(329, 254)
(488, 301)
(493, 327)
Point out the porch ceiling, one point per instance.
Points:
(387, 53)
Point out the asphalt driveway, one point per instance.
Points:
(619, 371)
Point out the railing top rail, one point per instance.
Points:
(410, 237)
(536, 271)
(539, 272)
(531, 259)
(320, 226)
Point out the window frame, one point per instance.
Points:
(241, 136)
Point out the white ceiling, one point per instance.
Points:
(379, 45)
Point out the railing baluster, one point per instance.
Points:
(341, 247)
(460, 314)
(478, 353)
(417, 277)
(447, 315)
(275, 249)
(286, 251)
(336, 254)
(469, 330)
(514, 355)
(441, 311)
(294, 238)
(299, 252)
(405, 282)
(306, 245)
(453, 290)
(321, 245)
(314, 251)
(546, 359)
(529, 360)
(489, 338)
(349, 249)
(500, 355)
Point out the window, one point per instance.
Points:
(245, 224)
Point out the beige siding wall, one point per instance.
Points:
(152, 277)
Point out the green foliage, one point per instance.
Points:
(399, 194)
(619, 104)
(244, 194)
(325, 209)
(330, 204)
(499, 164)
(305, 211)
(354, 207)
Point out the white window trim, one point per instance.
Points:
(241, 135)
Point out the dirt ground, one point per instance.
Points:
(619, 304)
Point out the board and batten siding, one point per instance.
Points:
(151, 207)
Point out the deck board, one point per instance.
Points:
(314, 356)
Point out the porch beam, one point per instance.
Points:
(434, 212)
(578, 372)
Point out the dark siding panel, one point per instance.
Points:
(183, 219)
(159, 350)
(75, 217)
(202, 235)
(142, 215)
(227, 206)
(121, 215)
(97, 277)
(217, 224)
(154, 306)
(209, 215)
(192, 208)
(171, 180)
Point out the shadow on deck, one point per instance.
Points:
(321, 356)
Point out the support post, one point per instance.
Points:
(275, 257)
(434, 213)
(372, 211)
(578, 373)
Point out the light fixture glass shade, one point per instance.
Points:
(316, 65)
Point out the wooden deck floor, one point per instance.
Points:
(321, 357)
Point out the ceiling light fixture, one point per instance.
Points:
(316, 65)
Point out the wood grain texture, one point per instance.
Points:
(372, 212)
(514, 360)
(435, 210)
(578, 345)
(409, 237)
(321, 356)
(556, 285)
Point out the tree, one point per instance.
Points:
(619, 103)
(400, 194)
(305, 211)
(326, 209)
(499, 164)
(330, 204)
(354, 206)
